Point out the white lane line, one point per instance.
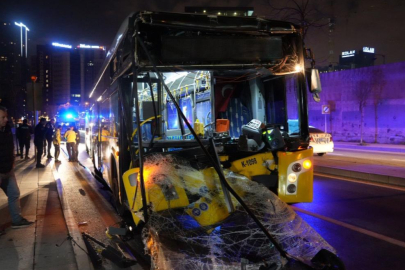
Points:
(368, 150)
(403, 160)
(335, 177)
(354, 228)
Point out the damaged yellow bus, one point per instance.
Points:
(200, 122)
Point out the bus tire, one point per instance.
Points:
(321, 154)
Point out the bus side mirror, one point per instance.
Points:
(314, 83)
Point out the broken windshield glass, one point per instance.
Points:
(191, 228)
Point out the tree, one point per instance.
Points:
(362, 93)
(306, 13)
(377, 87)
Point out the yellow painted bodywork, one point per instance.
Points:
(305, 181)
(214, 212)
(154, 194)
(256, 165)
(211, 208)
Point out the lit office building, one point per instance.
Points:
(67, 73)
(91, 59)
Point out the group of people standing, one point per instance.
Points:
(8, 181)
(46, 135)
(45, 132)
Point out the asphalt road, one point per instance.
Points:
(364, 156)
(365, 223)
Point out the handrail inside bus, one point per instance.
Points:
(147, 120)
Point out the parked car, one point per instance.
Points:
(320, 141)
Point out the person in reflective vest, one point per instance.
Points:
(56, 143)
(70, 137)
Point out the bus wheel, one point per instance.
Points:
(321, 154)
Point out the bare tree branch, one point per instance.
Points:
(305, 13)
(362, 93)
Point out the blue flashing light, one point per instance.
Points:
(69, 116)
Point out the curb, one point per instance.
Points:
(82, 259)
(364, 176)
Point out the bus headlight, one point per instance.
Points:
(296, 167)
(292, 177)
(307, 164)
(291, 188)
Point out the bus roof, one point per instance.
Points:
(195, 22)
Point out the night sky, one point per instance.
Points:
(372, 23)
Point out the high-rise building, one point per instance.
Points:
(13, 67)
(91, 61)
(67, 73)
(357, 59)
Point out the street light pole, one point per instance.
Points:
(34, 79)
(21, 25)
(23, 55)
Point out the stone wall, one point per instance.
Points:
(381, 90)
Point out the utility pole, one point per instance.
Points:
(34, 79)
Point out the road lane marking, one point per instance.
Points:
(369, 150)
(360, 181)
(352, 227)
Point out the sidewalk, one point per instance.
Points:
(40, 245)
(390, 175)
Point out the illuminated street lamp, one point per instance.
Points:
(21, 25)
